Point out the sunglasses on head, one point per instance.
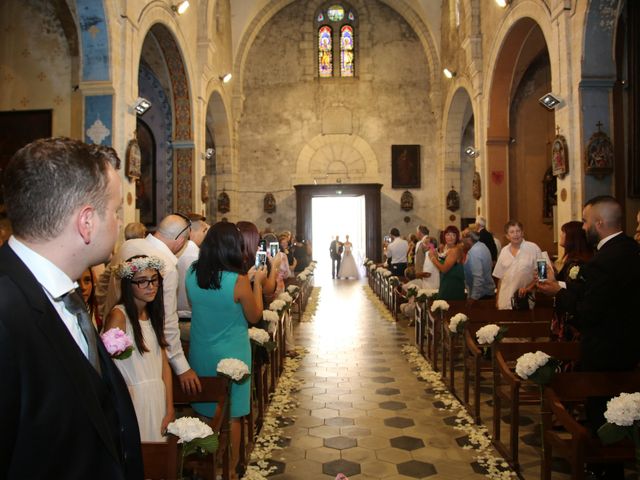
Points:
(186, 219)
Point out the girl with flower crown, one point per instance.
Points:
(140, 313)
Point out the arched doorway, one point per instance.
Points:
(519, 135)
(217, 151)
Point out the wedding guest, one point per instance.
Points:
(516, 265)
(603, 304)
(61, 392)
(450, 266)
(285, 247)
(135, 230)
(486, 237)
(477, 267)
(302, 253)
(223, 303)
(397, 253)
(335, 251)
(89, 297)
(140, 314)
(420, 249)
(171, 235)
(251, 240)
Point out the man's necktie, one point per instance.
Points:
(74, 302)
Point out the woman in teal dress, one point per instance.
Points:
(222, 304)
(451, 269)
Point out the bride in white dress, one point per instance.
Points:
(348, 266)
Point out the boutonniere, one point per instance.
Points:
(574, 273)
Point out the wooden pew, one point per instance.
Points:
(508, 388)
(214, 389)
(420, 325)
(575, 442)
(160, 459)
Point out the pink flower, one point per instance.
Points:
(118, 344)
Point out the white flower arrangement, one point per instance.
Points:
(270, 316)
(277, 305)
(425, 293)
(412, 291)
(574, 272)
(623, 410)
(258, 335)
(386, 273)
(486, 335)
(529, 363)
(394, 280)
(456, 323)
(139, 264)
(302, 277)
(188, 429)
(439, 305)
(293, 289)
(285, 297)
(373, 267)
(233, 368)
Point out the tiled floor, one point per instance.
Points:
(362, 410)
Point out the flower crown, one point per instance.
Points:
(129, 268)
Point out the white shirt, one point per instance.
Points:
(397, 251)
(515, 272)
(152, 246)
(606, 239)
(55, 284)
(189, 255)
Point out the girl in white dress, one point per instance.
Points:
(140, 314)
(348, 266)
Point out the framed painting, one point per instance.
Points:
(133, 160)
(599, 155)
(405, 166)
(559, 163)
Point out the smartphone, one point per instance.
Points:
(387, 239)
(542, 269)
(274, 248)
(262, 246)
(261, 259)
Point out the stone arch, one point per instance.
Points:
(459, 113)
(182, 117)
(505, 55)
(252, 30)
(329, 158)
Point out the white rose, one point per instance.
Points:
(189, 428)
(258, 335)
(302, 277)
(277, 305)
(574, 272)
(529, 363)
(270, 316)
(456, 320)
(439, 305)
(233, 368)
(285, 297)
(293, 289)
(624, 409)
(487, 334)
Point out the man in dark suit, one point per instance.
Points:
(486, 237)
(335, 250)
(64, 407)
(604, 303)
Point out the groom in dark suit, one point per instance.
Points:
(335, 250)
(65, 410)
(604, 303)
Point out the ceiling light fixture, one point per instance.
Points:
(471, 152)
(448, 73)
(550, 101)
(226, 78)
(180, 7)
(141, 105)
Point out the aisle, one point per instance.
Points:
(362, 410)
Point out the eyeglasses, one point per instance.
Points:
(186, 219)
(145, 282)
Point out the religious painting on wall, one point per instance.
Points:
(559, 162)
(599, 154)
(405, 166)
(133, 160)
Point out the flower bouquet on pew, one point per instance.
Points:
(394, 281)
(261, 338)
(118, 343)
(457, 323)
(194, 435)
(293, 289)
(426, 293)
(272, 319)
(233, 368)
(412, 291)
(278, 306)
(286, 298)
(488, 335)
(537, 367)
(623, 421)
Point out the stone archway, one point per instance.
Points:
(217, 151)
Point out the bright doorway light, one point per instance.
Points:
(337, 216)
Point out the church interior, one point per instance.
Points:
(433, 111)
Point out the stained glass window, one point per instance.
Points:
(335, 13)
(320, 17)
(346, 51)
(351, 16)
(325, 52)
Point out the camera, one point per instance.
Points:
(542, 269)
(261, 259)
(387, 239)
(274, 248)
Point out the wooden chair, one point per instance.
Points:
(160, 459)
(565, 436)
(476, 362)
(214, 389)
(510, 389)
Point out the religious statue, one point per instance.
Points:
(406, 201)
(269, 203)
(453, 200)
(224, 203)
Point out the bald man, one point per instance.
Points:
(171, 235)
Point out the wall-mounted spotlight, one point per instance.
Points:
(226, 78)
(208, 153)
(503, 3)
(180, 7)
(471, 152)
(550, 101)
(141, 105)
(448, 73)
